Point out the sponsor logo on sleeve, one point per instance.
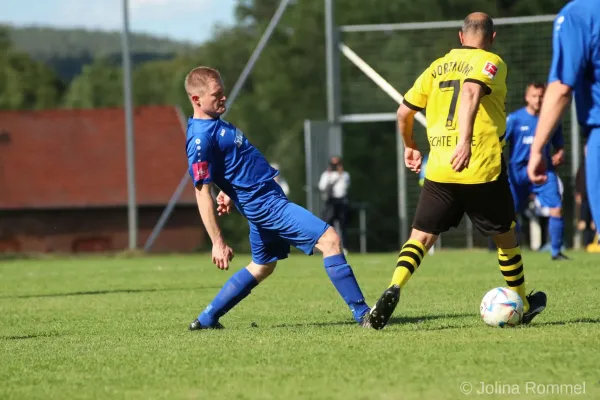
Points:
(490, 69)
(201, 170)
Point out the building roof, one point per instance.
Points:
(76, 158)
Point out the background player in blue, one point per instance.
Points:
(520, 129)
(575, 67)
(220, 154)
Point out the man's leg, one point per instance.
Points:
(511, 266)
(266, 249)
(437, 210)
(411, 256)
(235, 290)
(519, 188)
(495, 218)
(511, 263)
(549, 197)
(556, 227)
(592, 178)
(341, 274)
(300, 228)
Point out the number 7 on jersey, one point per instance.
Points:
(454, 86)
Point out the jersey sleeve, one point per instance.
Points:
(199, 152)
(416, 97)
(569, 44)
(558, 139)
(488, 71)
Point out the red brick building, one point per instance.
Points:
(63, 180)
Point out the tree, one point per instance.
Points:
(27, 84)
(4, 38)
(99, 85)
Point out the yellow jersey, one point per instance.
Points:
(438, 90)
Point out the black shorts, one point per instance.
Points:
(489, 205)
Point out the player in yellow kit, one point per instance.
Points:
(464, 93)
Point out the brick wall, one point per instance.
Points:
(85, 230)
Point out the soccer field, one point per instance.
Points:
(117, 328)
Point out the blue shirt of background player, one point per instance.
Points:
(576, 57)
(218, 152)
(520, 130)
(423, 167)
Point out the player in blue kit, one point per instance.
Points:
(575, 68)
(219, 154)
(520, 129)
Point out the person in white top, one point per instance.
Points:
(281, 180)
(333, 185)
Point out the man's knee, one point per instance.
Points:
(329, 242)
(506, 240)
(261, 271)
(427, 239)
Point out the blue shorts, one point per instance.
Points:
(276, 223)
(547, 195)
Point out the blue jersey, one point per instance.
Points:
(218, 152)
(576, 57)
(520, 130)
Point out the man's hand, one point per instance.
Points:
(558, 157)
(223, 204)
(413, 159)
(536, 169)
(221, 254)
(461, 157)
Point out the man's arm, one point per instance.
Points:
(471, 94)
(556, 100)
(221, 253)
(569, 45)
(412, 155)
(415, 100)
(406, 121)
(206, 206)
(558, 144)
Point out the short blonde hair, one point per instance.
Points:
(199, 78)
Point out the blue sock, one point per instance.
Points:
(343, 279)
(235, 290)
(556, 226)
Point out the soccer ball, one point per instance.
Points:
(501, 307)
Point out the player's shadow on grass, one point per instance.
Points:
(100, 292)
(417, 320)
(394, 320)
(317, 324)
(24, 337)
(567, 322)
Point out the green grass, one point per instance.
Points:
(116, 328)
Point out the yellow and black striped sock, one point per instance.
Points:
(511, 266)
(410, 258)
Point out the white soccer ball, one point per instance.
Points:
(501, 307)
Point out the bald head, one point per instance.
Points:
(478, 30)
